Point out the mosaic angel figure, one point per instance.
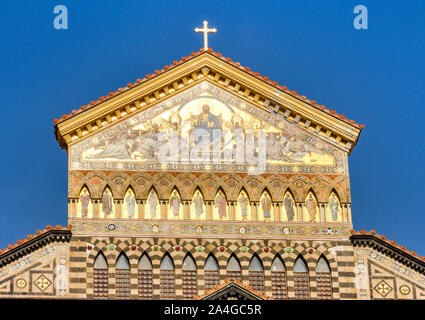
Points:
(153, 202)
(243, 202)
(334, 207)
(266, 205)
(175, 204)
(311, 204)
(221, 205)
(131, 203)
(85, 200)
(107, 203)
(289, 207)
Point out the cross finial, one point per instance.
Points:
(205, 31)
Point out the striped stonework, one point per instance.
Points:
(84, 250)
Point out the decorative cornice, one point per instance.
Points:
(389, 248)
(221, 71)
(34, 242)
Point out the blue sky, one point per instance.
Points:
(373, 76)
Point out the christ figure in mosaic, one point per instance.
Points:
(107, 203)
(243, 202)
(334, 207)
(153, 202)
(131, 204)
(311, 204)
(221, 205)
(85, 200)
(289, 207)
(266, 205)
(199, 205)
(175, 204)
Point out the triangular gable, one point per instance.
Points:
(232, 291)
(229, 76)
(134, 143)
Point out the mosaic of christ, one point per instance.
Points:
(142, 141)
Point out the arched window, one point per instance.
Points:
(211, 273)
(301, 281)
(189, 277)
(167, 278)
(233, 269)
(145, 277)
(256, 275)
(122, 277)
(323, 279)
(100, 277)
(279, 289)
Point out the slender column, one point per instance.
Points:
(255, 214)
(232, 210)
(276, 211)
(344, 212)
(209, 205)
(139, 209)
(96, 210)
(186, 210)
(70, 213)
(163, 210)
(349, 212)
(300, 211)
(322, 210)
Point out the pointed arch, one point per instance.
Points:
(266, 204)
(85, 205)
(153, 210)
(122, 277)
(334, 208)
(255, 264)
(122, 262)
(279, 281)
(167, 276)
(256, 274)
(144, 277)
(100, 261)
(277, 264)
(211, 272)
(175, 205)
(107, 203)
(301, 279)
(198, 207)
(189, 275)
(220, 211)
(311, 207)
(243, 206)
(130, 203)
(289, 206)
(323, 279)
(234, 270)
(100, 277)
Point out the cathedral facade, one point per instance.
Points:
(206, 180)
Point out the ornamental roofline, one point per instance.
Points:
(388, 247)
(117, 105)
(184, 59)
(33, 242)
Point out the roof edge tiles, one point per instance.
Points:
(220, 56)
(389, 247)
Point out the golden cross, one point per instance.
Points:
(205, 30)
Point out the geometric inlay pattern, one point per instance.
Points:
(42, 282)
(383, 288)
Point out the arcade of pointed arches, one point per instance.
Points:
(189, 276)
(219, 206)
